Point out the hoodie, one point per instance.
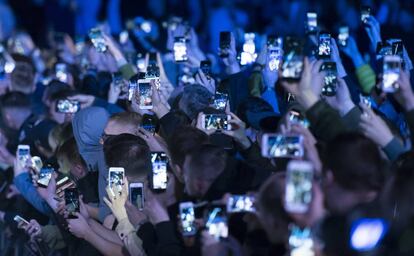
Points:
(88, 127)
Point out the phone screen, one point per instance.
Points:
(330, 80)
(220, 100)
(45, 175)
(300, 241)
(343, 36)
(132, 87)
(324, 46)
(292, 59)
(159, 162)
(180, 49)
(145, 95)
(391, 73)
(365, 13)
(61, 72)
(217, 223)
(136, 195)
(72, 201)
(249, 49)
(19, 220)
(97, 39)
(187, 217)
(367, 233)
(115, 178)
(296, 117)
(298, 192)
(225, 40)
(67, 106)
(149, 123)
(23, 154)
(312, 23)
(123, 37)
(216, 122)
(205, 66)
(241, 203)
(277, 145)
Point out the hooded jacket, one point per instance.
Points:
(88, 127)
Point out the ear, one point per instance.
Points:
(78, 170)
(178, 172)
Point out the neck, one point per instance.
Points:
(21, 116)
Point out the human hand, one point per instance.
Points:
(238, 132)
(135, 216)
(342, 100)
(373, 29)
(404, 95)
(48, 193)
(351, 48)
(79, 227)
(154, 142)
(160, 104)
(155, 211)
(83, 208)
(308, 89)
(117, 201)
(337, 59)
(84, 100)
(373, 127)
(200, 124)
(205, 81)
(33, 229)
(113, 93)
(230, 61)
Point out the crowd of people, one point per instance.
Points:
(179, 137)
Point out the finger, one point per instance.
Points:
(228, 133)
(110, 192)
(107, 202)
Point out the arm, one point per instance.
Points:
(109, 235)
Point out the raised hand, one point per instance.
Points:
(374, 127)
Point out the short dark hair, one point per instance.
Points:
(126, 118)
(129, 152)
(183, 140)
(207, 161)
(355, 162)
(194, 99)
(15, 100)
(69, 151)
(22, 78)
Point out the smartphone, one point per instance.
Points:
(295, 117)
(149, 123)
(68, 106)
(140, 62)
(240, 203)
(72, 202)
(365, 13)
(220, 100)
(123, 37)
(331, 79)
(180, 49)
(79, 44)
(298, 190)
(97, 39)
(225, 40)
(19, 220)
(248, 54)
(159, 177)
(45, 174)
(278, 146)
(187, 217)
(216, 122)
(292, 66)
(324, 46)
(300, 241)
(132, 87)
(312, 22)
(205, 66)
(274, 53)
(397, 47)
(23, 154)
(391, 73)
(367, 233)
(61, 72)
(217, 223)
(145, 93)
(37, 163)
(63, 184)
(116, 178)
(153, 71)
(343, 36)
(136, 194)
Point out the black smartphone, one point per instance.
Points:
(72, 202)
(159, 161)
(331, 79)
(365, 13)
(225, 40)
(292, 66)
(68, 106)
(220, 101)
(149, 123)
(205, 66)
(324, 46)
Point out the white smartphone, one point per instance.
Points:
(37, 163)
(23, 154)
(278, 145)
(180, 49)
(312, 21)
(19, 219)
(217, 223)
(187, 217)
(391, 73)
(298, 190)
(159, 175)
(145, 93)
(216, 122)
(136, 194)
(115, 178)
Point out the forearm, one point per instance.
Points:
(104, 232)
(129, 237)
(232, 69)
(393, 149)
(102, 245)
(254, 84)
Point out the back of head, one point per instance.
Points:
(68, 155)
(127, 122)
(23, 77)
(194, 99)
(183, 141)
(355, 162)
(131, 153)
(17, 100)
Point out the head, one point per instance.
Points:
(131, 153)
(22, 79)
(194, 99)
(70, 161)
(182, 142)
(59, 134)
(16, 108)
(124, 122)
(201, 168)
(353, 172)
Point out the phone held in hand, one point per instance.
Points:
(391, 73)
(149, 123)
(136, 195)
(312, 22)
(301, 241)
(365, 13)
(61, 72)
(18, 219)
(95, 34)
(330, 80)
(343, 36)
(217, 222)
(225, 40)
(274, 52)
(23, 154)
(205, 66)
(116, 179)
(145, 93)
(68, 106)
(298, 189)
(248, 55)
(180, 49)
(45, 175)
(159, 179)
(187, 217)
(216, 122)
(72, 202)
(282, 146)
(293, 57)
(295, 117)
(324, 46)
(240, 203)
(220, 101)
